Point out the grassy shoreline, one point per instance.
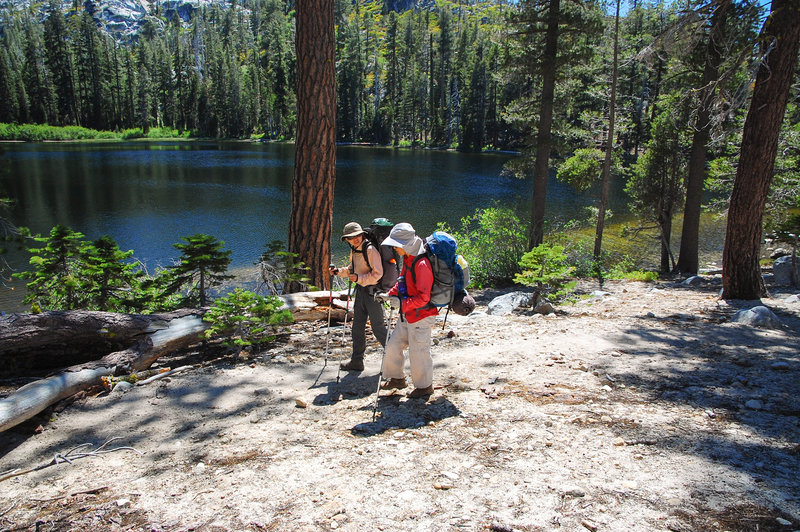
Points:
(48, 133)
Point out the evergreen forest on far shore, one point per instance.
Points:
(468, 76)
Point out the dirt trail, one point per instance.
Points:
(640, 409)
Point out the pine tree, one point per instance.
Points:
(54, 276)
(548, 35)
(315, 149)
(60, 64)
(202, 266)
(656, 184)
(107, 281)
(741, 276)
(476, 107)
(92, 74)
(9, 104)
(37, 77)
(350, 80)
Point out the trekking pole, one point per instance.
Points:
(344, 327)
(330, 306)
(347, 309)
(380, 375)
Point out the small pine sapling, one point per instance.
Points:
(546, 265)
(245, 319)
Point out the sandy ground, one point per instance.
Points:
(642, 409)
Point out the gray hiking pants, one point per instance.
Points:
(365, 306)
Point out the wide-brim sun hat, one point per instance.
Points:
(352, 229)
(403, 236)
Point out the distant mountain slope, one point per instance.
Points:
(124, 18)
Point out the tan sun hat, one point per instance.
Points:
(352, 229)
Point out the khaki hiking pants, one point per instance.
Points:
(417, 337)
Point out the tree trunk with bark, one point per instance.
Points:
(36, 343)
(606, 180)
(543, 136)
(156, 339)
(688, 260)
(741, 271)
(315, 148)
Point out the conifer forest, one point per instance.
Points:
(655, 91)
(461, 75)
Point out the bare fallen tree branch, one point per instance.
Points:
(68, 457)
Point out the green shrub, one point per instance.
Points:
(45, 132)
(245, 318)
(626, 268)
(135, 133)
(638, 275)
(547, 268)
(492, 241)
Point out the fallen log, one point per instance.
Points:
(312, 306)
(34, 397)
(137, 341)
(37, 343)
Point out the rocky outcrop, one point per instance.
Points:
(784, 276)
(123, 19)
(399, 6)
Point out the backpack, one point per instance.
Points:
(450, 270)
(376, 233)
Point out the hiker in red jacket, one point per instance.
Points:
(412, 295)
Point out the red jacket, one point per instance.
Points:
(416, 305)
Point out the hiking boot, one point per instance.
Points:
(421, 392)
(394, 384)
(353, 365)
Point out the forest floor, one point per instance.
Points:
(641, 409)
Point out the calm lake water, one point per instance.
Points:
(147, 195)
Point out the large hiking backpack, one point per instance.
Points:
(376, 233)
(450, 270)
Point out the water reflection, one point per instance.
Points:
(147, 195)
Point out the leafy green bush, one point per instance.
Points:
(582, 169)
(546, 265)
(492, 241)
(626, 268)
(43, 132)
(638, 275)
(246, 318)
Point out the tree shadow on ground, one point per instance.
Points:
(741, 380)
(187, 409)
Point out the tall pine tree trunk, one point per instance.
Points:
(543, 136)
(741, 271)
(315, 149)
(688, 260)
(601, 213)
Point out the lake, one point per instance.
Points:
(147, 195)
